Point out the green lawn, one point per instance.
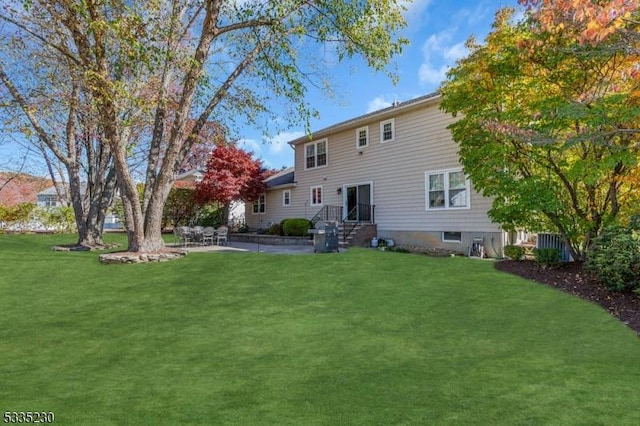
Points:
(362, 337)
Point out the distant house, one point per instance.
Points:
(189, 179)
(49, 198)
(396, 170)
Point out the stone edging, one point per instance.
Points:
(128, 257)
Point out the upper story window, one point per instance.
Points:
(315, 154)
(362, 137)
(286, 197)
(260, 205)
(448, 189)
(387, 131)
(316, 195)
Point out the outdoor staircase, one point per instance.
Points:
(360, 236)
(350, 233)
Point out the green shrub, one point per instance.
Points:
(283, 221)
(514, 252)
(614, 258)
(547, 257)
(18, 213)
(399, 249)
(296, 227)
(274, 229)
(60, 219)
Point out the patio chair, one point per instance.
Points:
(221, 235)
(208, 234)
(196, 234)
(184, 235)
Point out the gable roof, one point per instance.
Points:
(381, 114)
(192, 175)
(49, 191)
(283, 178)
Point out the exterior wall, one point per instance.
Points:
(493, 241)
(49, 200)
(275, 211)
(396, 171)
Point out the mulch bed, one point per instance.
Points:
(573, 279)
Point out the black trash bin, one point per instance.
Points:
(325, 237)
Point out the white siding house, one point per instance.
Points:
(401, 161)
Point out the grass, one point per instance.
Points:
(363, 337)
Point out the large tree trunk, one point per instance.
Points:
(100, 197)
(130, 202)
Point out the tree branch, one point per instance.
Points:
(45, 41)
(28, 111)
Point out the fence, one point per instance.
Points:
(556, 242)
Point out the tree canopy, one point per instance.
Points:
(548, 128)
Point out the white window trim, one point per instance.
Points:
(311, 203)
(393, 130)
(326, 142)
(358, 130)
(258, 201)
(284, 198)
(451, 241)
(446, 190)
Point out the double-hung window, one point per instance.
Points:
(316, 195)
(259, 205)
(286, 197)
(362, 137)
(315, 154)
(387, 131)
(448, 189)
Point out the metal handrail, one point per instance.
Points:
(363, 212)
(333, 213)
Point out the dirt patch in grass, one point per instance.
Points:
(572, 278)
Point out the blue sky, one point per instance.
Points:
(437, 31)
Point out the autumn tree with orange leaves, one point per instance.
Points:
(549, 121)
(588, 21)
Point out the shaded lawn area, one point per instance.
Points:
(362, 337)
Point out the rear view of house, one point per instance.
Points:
(395, 171)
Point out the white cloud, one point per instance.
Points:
(250, 145)
(378, 103)
(415, 10)
(440, 51)
(455, 52)
(281, 140)
(429, 75)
